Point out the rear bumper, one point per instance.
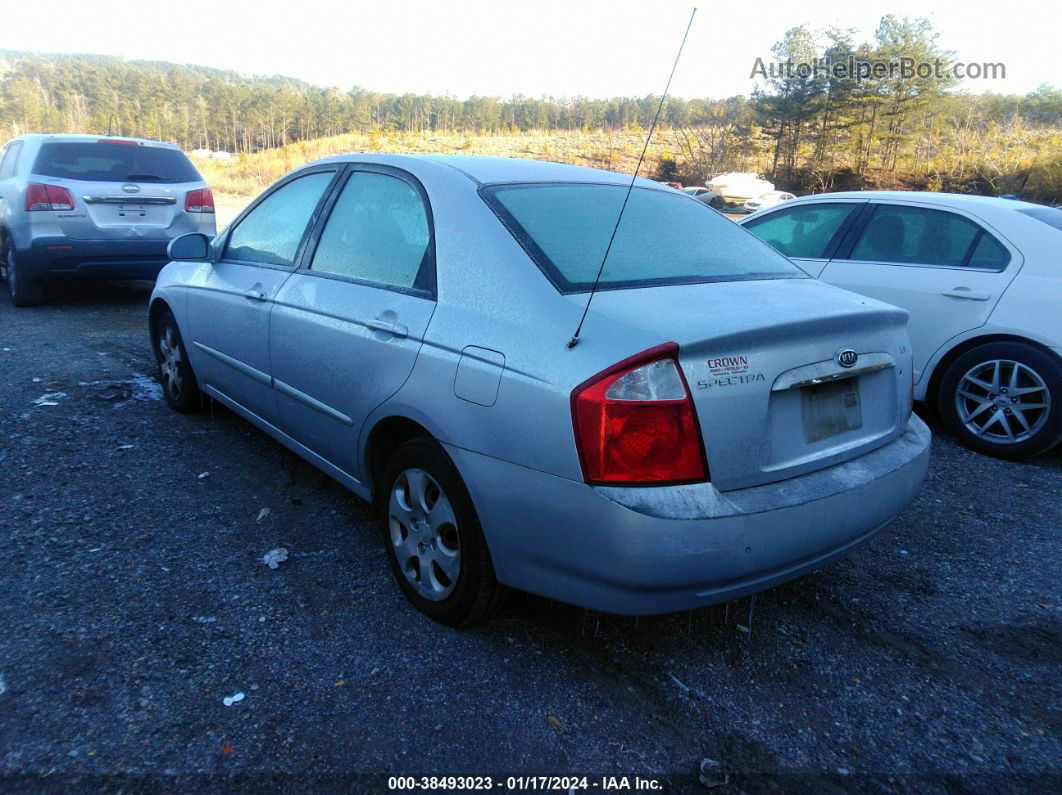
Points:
(646, 551)
(61, 257)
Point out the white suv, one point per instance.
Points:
(77, 205)
(982, 279)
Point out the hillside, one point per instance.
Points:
(248, 174)
(806, 134)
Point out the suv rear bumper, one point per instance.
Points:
(658, 550)
(51, 258)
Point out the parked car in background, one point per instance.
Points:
(769, 199)
(404, 324)
(982, 280)
(695, 190)
(86, 206)
(675, 185)
(737, 187)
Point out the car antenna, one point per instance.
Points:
(601, 268)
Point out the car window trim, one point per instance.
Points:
(872, 208)
(305, 262)
(310, 224)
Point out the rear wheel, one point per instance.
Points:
(24, 291)
(175, 372)
(433, 537)
(1004, 399)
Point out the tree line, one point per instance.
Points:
(813, 130)
(807, 131)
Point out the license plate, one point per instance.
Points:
(831, 409)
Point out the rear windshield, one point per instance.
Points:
(1049, 215)
(107, 162)
(665, 237)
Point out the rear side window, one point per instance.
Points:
(10, 162)
(920, 236)
(114, 162)
(378, 232)
(271, 232)
(802, 231)
(665, 237)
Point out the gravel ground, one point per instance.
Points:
(135, 600)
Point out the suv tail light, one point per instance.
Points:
(199, 201)
(635, 424)
(47, 197)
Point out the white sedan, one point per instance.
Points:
(982, 280)
(769, 199)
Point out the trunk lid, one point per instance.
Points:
(761, 362)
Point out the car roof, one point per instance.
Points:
(924, 197)
(80, 138)
(487, 170)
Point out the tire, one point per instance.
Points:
(442, 564)
(24, 291)
(175, 372)
(1003, 399)
(717, 203)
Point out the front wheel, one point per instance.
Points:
(175, 372)
(1004, 399)
(433, 537)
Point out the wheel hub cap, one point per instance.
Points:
(424, 534)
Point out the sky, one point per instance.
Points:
(501, 48)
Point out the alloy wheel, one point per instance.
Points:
(423, 529)
(1003, 401)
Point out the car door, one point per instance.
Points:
(230, 300)
(348, 325)
(807, 232)
(943, 266)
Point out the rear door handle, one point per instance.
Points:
(254, 295)
(388, 327)
(967, 293)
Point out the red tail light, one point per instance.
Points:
(635, 424)
(47, 197)
(199, 201)
(116, 142)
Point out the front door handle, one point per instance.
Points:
(388, 327)
(967, 293)
(254, 294)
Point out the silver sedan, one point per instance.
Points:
(723, 424)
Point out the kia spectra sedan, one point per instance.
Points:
(724, 423)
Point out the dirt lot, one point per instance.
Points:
(135, 600)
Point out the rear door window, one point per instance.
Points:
(803, 231)
(10, 162)
(271, 232)
(93, 161)
(378, 232)
(909, 235)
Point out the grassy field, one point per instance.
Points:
(247, 175)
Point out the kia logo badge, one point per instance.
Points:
(131, 188)
(847, 357)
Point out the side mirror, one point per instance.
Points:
(193, 246)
